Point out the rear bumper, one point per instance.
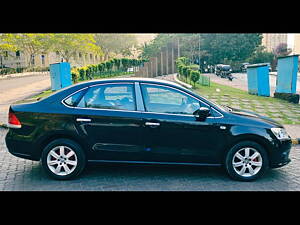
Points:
(21, 148)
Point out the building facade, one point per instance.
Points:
(272, 40)
(296, 48)
(21, 60)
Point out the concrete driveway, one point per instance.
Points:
(19, 88)
(240, 81)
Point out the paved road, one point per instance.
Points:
(240, 81)
(14, 89)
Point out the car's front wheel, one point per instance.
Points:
(63, 159)
(246, 161)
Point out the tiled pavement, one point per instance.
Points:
(276, 111)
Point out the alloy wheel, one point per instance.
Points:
(62, 160)
(247, 162)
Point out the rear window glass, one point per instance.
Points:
(74, 99)
(113, 96)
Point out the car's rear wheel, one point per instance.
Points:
(246, 161)
(63, 159)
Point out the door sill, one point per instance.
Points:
(153, 162)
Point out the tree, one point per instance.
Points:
(214, 47)
(230, 46)
(154, 46)
(67, 45)
(282, 50)
(5, 48)
(261, 56)
(31, 44)
(195, 76)
(113, 44)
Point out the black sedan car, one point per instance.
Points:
(140, 120)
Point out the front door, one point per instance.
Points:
(171, 132)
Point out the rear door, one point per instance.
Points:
(107, 118)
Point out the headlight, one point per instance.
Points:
(280, 133)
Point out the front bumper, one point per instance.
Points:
(280, 154)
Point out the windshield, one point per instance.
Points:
(226, 67)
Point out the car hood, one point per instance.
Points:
(254, 116)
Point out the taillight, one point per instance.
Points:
(13, 121)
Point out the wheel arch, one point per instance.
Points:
(53, 136)
(247, 137)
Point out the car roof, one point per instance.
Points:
(129, 79)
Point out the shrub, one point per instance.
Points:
(75, 74)
(185, 72)
(82, 73)
(195, 76)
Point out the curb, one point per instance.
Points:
(182, 83)
(275, 75)
(20, 75)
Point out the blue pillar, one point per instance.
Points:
(60, 74)
(258, 79)
(287, 69)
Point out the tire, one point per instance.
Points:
(63, 159)
(246, 161)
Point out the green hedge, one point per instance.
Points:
(105, 69)
(191, 72)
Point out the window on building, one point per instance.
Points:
(43, 59)
(32, 60)
(6, 55)
(74, 55)
(18, 54)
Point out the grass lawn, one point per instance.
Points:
(277, 109)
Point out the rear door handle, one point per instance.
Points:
(83, 120)
(152, 124)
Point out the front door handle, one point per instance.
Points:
(83, 120)
(152, 124)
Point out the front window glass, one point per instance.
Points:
(114, 96)
(166, 100)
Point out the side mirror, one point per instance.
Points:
(202, 113)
